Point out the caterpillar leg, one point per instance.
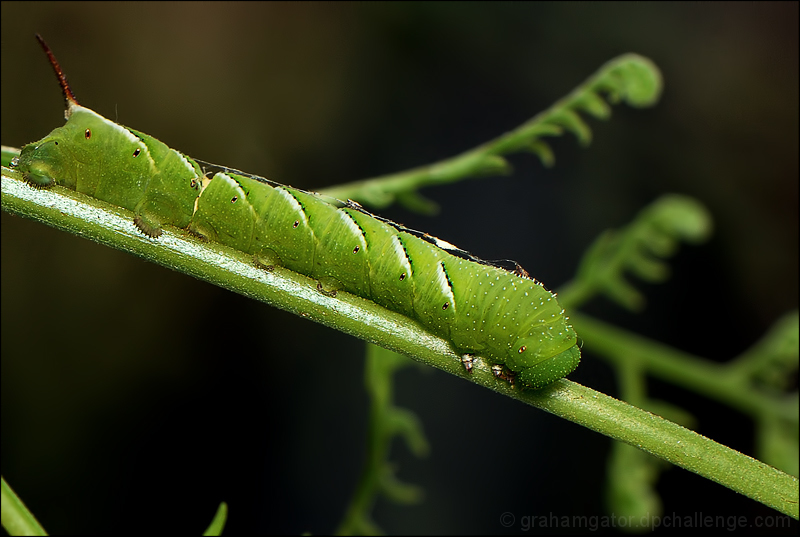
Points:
(326, 288)
(147, 226)
(503, 373)
(468, 360)
(263, 264)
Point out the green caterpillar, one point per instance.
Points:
(480, 307)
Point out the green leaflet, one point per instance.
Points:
(504, 316)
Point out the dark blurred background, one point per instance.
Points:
(133, 396)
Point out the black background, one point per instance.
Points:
(134, 397)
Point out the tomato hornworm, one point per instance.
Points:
(484, 308)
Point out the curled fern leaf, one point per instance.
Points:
(629, 78)
(638, 248)
(632, 78)
(572, 122)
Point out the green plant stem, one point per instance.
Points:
(386, 421)
(670, 442)
(719, 381)
(218, 523)
(382, 191)
(17, 520)
(357, 520)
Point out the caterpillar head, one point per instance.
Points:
(539, 362)
(551, 369)
(42, 162)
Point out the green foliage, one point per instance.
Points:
(656, 233)
(218, 524)
(386, 421)
(756, 382)
(17, 519)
